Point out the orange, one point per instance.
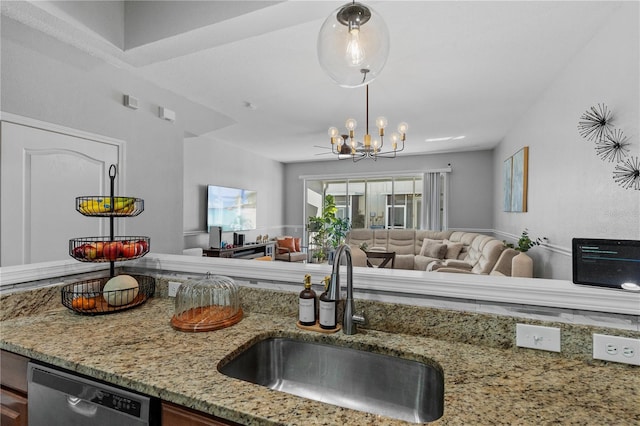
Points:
(83, 302)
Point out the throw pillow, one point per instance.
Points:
(296, 243)
(433, 248)
(425, 242)
(286, 245)
(453, 249)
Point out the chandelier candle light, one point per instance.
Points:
(345, 145)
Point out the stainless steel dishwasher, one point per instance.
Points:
(59, 398)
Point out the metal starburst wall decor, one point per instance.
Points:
(595, 123)
(627, 173)
(613, 146)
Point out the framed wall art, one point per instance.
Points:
(515, 175)
(506, 183)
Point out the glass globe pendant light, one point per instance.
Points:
(353, 45)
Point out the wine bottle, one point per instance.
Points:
(307, 303)
(328, 309)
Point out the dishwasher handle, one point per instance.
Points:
(82, 407)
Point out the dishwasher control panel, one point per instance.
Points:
(117, 402)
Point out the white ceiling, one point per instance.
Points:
(455, 68)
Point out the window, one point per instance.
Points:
(376, 202)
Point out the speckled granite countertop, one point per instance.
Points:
(139, 350)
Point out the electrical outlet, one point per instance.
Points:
(173, 288)
(538, 337)
(616, 349)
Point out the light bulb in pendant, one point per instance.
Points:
(355, 54)
(394, 141)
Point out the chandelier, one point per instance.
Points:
(353, 38)
(345, 145)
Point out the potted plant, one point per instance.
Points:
(525, 242)
(316, 223)
(327, 230)
(318, 237)
(522, 264)
(318, 255)
(337, 231)
(318, 227)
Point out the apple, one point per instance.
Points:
(131, 249)
(99, 249)
(112, 250)
(78, 252)
(144, 245)
(90, 251)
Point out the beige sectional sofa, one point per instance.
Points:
(443, 251)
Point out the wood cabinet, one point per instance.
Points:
(13, 391)
(13, 408)
(176, 415)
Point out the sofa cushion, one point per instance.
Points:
(491, 250)
(463, 252)
(449, 264)
(286, 245)
(358, 257)
(503, 265)
(380, 238)
(356, 237)
(402, 241)
(404, 261)
(453, 249)
(433, 248)
(421, 234)
(421, 263)
(465, 238)
(292, 257)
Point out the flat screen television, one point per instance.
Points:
(232, 209)
(606, 263)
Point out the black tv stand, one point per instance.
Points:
(247, 251)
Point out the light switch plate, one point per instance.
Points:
(130, 102)
(538, 337)
(617, 349)
(166, 114)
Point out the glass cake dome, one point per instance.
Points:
(207, 304)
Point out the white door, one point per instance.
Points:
(44, 168)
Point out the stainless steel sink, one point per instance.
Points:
(351, 378)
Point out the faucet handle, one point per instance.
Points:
(359, 319)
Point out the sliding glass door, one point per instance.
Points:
(393, 202)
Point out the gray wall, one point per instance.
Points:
(207, 161)
(471, 184)
(52, 82)
(571, 190)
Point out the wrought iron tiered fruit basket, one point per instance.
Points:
(88, 297)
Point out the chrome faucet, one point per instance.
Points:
(350, 318)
